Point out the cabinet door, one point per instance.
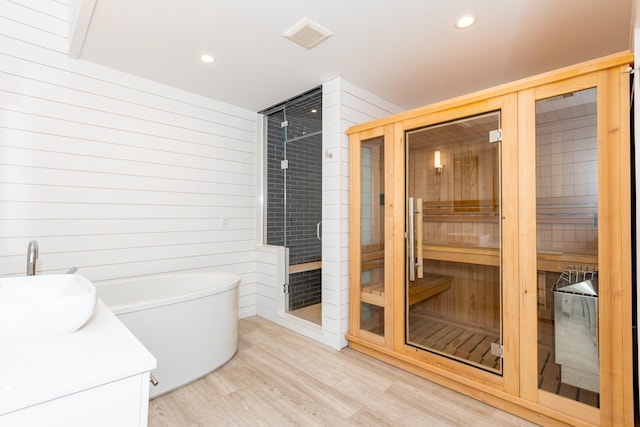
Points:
(122, 403)
(371, 287)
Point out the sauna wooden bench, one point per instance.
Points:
(423, 288)
(484, 255)
(433, 284)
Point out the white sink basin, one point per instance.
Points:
(46, 305)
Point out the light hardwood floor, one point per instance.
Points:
(280, 378)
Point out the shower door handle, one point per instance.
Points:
(318, 232)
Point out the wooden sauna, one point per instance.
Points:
(468, 218)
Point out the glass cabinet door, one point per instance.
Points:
(454, 282)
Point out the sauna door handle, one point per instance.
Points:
(415, 233)
(412, 242)
(418, 228)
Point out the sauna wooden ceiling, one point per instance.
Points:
(408, 52)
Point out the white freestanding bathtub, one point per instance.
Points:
(188, 321)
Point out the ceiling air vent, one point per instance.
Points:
(307, 33)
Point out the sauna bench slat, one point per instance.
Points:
(547, 260)
(468, 254)
(546, 217)
(423, 288)
(431, 284)
(550, 210)
(370, 265)
(373, 293)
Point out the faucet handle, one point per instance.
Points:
(32, 256)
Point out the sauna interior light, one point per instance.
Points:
(437, 163)
(466, 21)
(207, 58)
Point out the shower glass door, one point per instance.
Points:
(454, 279)
(294, 198)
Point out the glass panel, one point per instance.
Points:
(453, 306)
(567, 245)
(372, 235)
(294, 198)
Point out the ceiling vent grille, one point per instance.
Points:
(307, 33)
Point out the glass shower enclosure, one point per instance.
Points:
(293, 165)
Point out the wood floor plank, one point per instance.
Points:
(469, 346)
(439, 409)
(481, 349)
(444, 340)
(280, 378)
(454, 345)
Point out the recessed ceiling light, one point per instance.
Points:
(207, 58)
(314, 110)
(466, 21)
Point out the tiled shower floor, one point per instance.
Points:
(312, 313)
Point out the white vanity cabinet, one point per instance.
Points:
(97, 376)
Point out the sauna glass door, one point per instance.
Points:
(453, 280)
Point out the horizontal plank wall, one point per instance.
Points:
(114, 174)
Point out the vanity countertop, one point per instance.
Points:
(102, 351)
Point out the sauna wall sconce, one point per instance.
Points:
(437, 163)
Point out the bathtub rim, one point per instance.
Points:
(228, 282)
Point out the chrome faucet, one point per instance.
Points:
(32, 256)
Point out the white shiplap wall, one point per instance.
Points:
(114, 174)
(344, 105)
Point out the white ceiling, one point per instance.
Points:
(405, 51)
